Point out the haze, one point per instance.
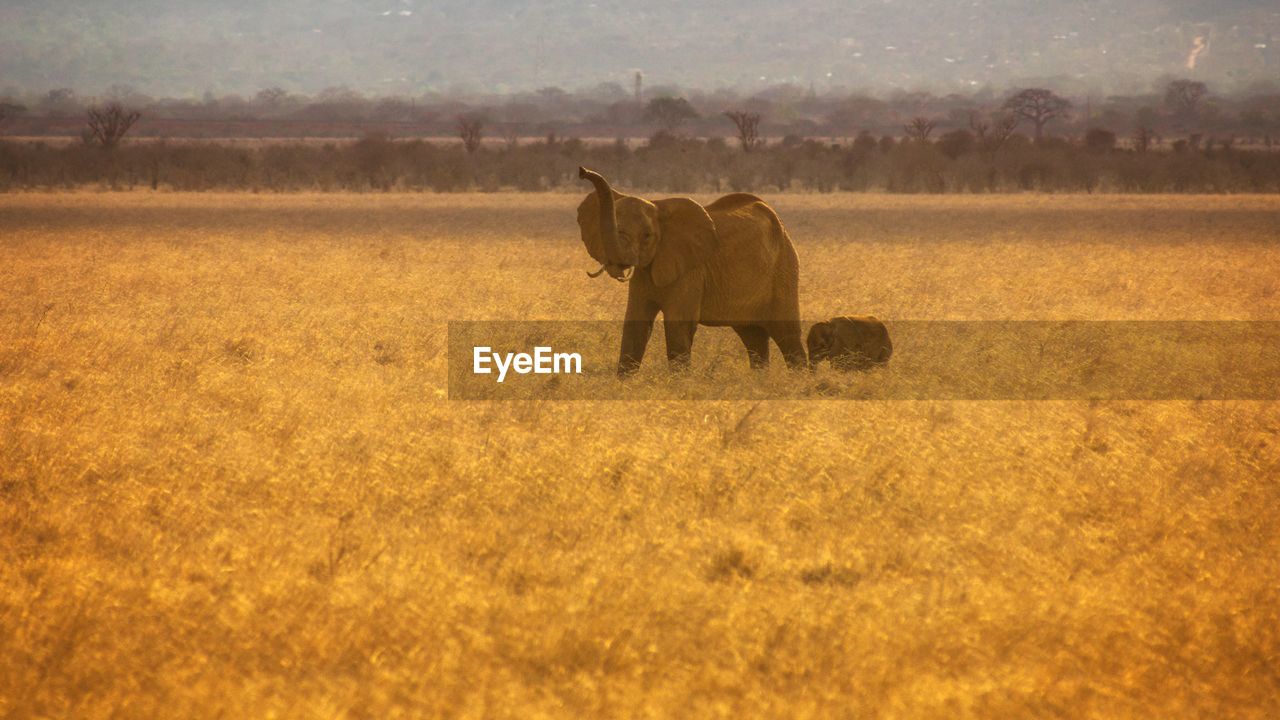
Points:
(185, 48)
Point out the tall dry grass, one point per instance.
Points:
(231, 483)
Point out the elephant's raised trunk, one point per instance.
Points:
(616, 259)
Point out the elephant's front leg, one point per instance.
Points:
(636, 329)
(681, 311)
(679, 341)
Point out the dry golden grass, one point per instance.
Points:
(231, 485)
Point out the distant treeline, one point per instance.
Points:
(959, 161)
(1173, 108)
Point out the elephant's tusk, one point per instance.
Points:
(596, 274)
(626, 274)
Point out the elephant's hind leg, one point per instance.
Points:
(756, 339)
(786, 334)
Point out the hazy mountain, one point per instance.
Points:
(186, 47)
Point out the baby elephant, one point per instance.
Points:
(850, 342)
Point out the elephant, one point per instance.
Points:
(729, 263)
(850, 342)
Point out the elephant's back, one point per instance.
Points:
(754, 264)
(729, 202)
(866, 334)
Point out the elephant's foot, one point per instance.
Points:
(797, 361)
(628, 367)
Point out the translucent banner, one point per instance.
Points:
(931, 360)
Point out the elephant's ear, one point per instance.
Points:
(688, 239)
(589, 223)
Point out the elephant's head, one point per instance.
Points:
(624, 232)
(820, 340)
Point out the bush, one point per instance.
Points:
(1099, 140)
(956, 143)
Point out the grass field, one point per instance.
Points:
(231, 483)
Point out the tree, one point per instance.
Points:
(1142, 138)
(918, 129)
(108, 125)
(271, 97)
(553, 96)
(393, 109)
(859, 111)
(471, 130)
(748, 124)
(623, 112)
(59, 102)
(1037, 105)
(1147, 117)
(8, 110)
(607, 92)
(992, 134)
(955, 143)
(669, 112)
(126, 94)
(1183, 97)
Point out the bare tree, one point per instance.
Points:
(471, 130)
(1142, 138)
(1037, 105)
(991, 133)
(1183, 97)
(748, 124)
(108, 125)
(511, 134)
(979, 125)
(919, 128)
(1005, 124)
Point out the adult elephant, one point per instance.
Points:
(730, 263)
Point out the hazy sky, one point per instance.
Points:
(188, 47)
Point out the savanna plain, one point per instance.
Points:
(232, 483)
